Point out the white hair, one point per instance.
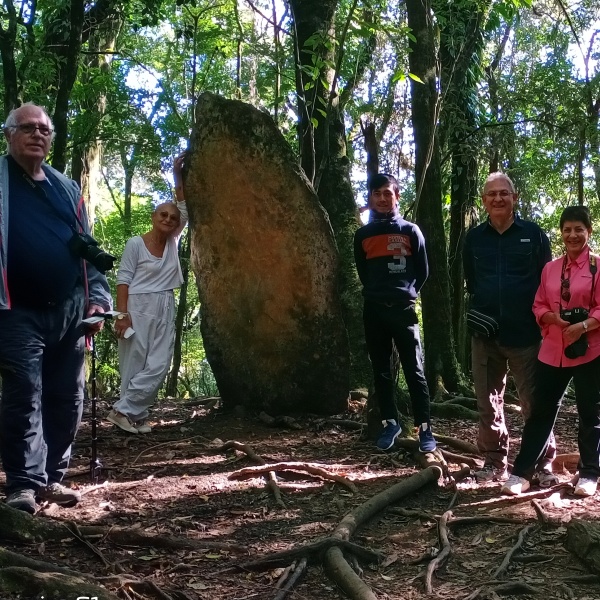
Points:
(11, 120)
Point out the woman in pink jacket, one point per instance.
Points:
(567, 307)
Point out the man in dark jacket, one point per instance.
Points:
(392, 266)
(46, 289)
(503, 260)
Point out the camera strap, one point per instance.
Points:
(41, 192)
(593, 271)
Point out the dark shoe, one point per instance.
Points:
(122, 421)
(426, 440)
(546, 478)
(388, 435)
(490, 473)
(59, 494)
(22, 500)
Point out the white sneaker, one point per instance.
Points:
(586, 487)
(515, 485)
(143, 427)
(122, 421)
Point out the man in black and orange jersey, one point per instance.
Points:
(392, 265)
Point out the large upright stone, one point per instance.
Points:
(266, 265)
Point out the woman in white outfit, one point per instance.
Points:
(148, 274)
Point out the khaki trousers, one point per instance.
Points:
(490, 363)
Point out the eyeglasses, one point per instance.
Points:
(168, 216)
(29, 128)
(502, 193)
(565, 291)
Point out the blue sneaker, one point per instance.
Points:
(426, 440)
(388, 436)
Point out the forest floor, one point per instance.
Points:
(174, 483)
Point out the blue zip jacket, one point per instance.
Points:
(503, 272)
(96, 285)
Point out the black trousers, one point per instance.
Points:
(384, 326)
(551, 383)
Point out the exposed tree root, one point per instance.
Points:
(294, 576)
(335, 565)
(312, 469)
(255, 458)
(18, 527)
(33, 584)
(202, 401)
(510, 587)
(345, 423)
(449, 410)
(457, 444)
(445, 550)
(309, 551)
(279, 421)
(451, 457)
(504, 565)
(567, 461)
(526, 497)
(339, 571)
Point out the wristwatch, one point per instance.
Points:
(122, 316)
(585, 325)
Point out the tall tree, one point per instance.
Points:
(440, 356)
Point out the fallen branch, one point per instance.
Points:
(506, 561)
(445, 550)
(302, 467)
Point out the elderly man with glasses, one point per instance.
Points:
(503, 260)
(46, 289)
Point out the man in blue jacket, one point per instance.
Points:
(503, 259)
(392, 266)
(46, 289)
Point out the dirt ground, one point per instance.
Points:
(174, 483)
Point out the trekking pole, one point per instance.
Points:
(95, 464)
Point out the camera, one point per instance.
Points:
(572, 316)
(85, 246)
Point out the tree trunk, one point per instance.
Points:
(184, 253)
(323, 151)
(440, 357)
(8, 36)
(461, 46)
(87, 151)
(68, 66)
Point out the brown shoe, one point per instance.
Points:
(122, 421)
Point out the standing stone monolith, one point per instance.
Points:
(266, 265)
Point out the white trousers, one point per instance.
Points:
(145, 357)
